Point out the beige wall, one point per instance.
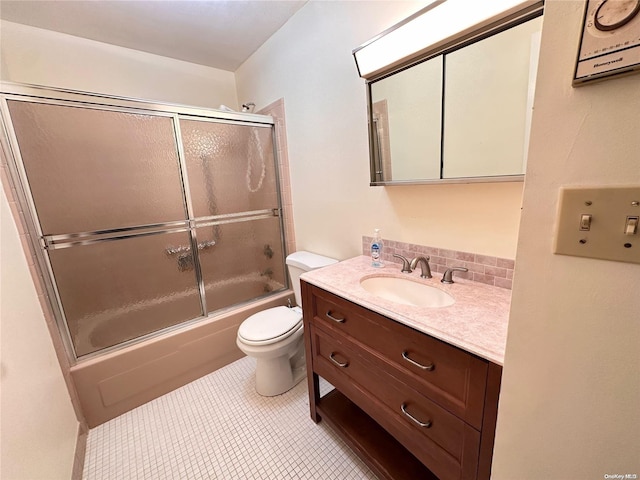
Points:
(570, 402)
(42, 57)
(38, 424)
(309, 63)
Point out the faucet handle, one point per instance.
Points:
(448, 274)
(405, 263)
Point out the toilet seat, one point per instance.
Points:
(270, 326)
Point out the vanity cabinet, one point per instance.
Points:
(409, 405)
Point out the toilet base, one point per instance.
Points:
(279, 366)
(275, 376)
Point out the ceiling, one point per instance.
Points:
(220, 33)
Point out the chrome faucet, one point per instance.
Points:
(424, 265)
(405, 263)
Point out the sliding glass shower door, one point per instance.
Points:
(147, 219)
(234, 192)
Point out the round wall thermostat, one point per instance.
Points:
(610, 40)
(613, 14)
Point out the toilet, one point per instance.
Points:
(274, 336)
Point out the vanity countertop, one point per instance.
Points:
(477, 321)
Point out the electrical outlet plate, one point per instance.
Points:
(609, 208)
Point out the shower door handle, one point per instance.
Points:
(184, 256)
(187, 249)
(207, 244)
(178, 250)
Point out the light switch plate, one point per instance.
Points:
(609, 208)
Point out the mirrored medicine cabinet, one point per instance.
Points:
(458, 115)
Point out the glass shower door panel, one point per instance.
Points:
(113, 291)
(92, 169)
(245, 263)
(230, 167)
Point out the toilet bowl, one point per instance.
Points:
(274, 336)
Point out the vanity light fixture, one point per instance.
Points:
(434, 28)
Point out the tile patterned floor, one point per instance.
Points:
(218, 428)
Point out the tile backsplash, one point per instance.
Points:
(482, 268)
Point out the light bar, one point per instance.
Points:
(429, 29)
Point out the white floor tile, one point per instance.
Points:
(218, 427)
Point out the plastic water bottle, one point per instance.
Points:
(376, 250)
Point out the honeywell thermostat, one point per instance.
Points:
(610, 42)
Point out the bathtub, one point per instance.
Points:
(115, 382)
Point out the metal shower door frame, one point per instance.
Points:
(41, 243)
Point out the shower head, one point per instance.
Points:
(248, 107)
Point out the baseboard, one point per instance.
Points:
(81, 449)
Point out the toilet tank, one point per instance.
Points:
(300, 262)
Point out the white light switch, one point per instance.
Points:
(585, 222)
(599, 223)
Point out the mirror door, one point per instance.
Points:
(462, 115)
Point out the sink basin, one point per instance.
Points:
(406, 292)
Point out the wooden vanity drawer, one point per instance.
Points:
(443, 442)
(453, 378)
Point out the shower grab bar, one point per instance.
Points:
(187, 249)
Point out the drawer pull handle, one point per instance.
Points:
(335, 319)
(426, 424)
(429, 367)
(340, 364)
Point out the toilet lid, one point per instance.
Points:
(268, 324)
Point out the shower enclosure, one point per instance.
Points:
(146, 216)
